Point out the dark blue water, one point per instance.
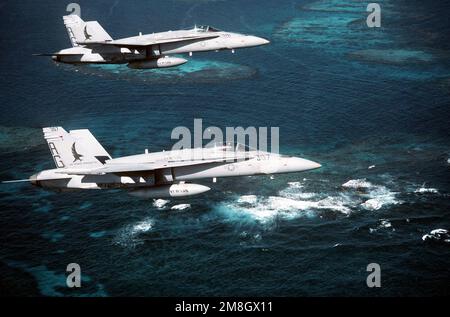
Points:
(342, 94)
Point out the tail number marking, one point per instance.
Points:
(56, 157)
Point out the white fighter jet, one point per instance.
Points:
(82, 163)
(92, 44)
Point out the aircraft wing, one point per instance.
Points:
(144, 41)
(123, 168)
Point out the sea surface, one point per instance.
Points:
(372, 105)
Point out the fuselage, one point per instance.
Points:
(82, 163)
(194, 164)
(175, 44)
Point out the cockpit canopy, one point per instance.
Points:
(230, 146)
(205, 28)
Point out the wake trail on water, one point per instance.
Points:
(295, 201)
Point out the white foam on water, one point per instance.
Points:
(339, 203)
(383, 224)
(128, 236)
(296, 184)
(379, 196)
(249, 199)
(181, 207)
(294, 191)
(439, 231)
(294, 201)
(358, 184)
(424, 190)
(372, 204)
(437, 235)
(266, 209)
(306, 195)
(160, 203)
(143, 226)
(260, 210)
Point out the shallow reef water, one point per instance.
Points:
(194, 71)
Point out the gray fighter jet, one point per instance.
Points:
(82, 163)
(92, 44)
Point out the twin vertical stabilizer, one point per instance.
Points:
(84, 32)
(79, 148)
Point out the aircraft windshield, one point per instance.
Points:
(206, 28)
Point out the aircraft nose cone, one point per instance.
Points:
(264, 41)
(300, 164)
(257, 41)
